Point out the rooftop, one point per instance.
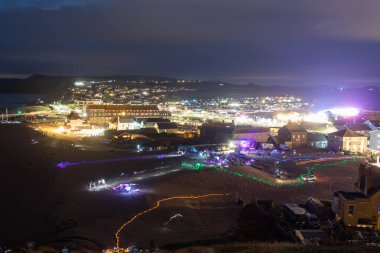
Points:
(250, 130)
(122, 120)
(358, 127)
(316, 137)
(124, 107)
(352, 195)
(154, 120)
(166, 125)
(73, 116)
(346, 133)
(295, 127)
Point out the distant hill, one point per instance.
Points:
(35, 84)
(53, 87)
(50, 84)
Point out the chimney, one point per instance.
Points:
(365, 178)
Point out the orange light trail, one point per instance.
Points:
(158, 203)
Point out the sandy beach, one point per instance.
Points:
(51, 205)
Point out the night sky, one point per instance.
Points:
(296, 42)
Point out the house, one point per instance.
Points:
(256, 134)
(347, 140)
(317, 140)
(362, 208)
(166, 127)
(293, 135)
(123, 123)
(81, 105)
(74, 120)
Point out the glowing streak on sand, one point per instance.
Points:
(161, 156)
(158, 203)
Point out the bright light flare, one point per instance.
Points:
(286, 117)
(345, 112)
(243, 120)
(59, 130)
(319, 117)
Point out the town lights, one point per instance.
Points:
(59, 130)
(79, 83)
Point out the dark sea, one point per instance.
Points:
(14, 100)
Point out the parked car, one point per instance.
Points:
(309, 178)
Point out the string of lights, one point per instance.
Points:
(201, 166)
(299, 179)
(316, 166)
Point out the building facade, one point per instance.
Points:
(293, 135)
(102, 114)
(81, 105)
(317, 140)
(347, 140)
(123, 123)
(374, 141)
(362, 208)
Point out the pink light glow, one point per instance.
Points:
(345, 112)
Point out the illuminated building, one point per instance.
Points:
(81, 105)
(347, 140)
(102, 114)
(360, 209)
(293, 135)
(74, 120)
(123, 123)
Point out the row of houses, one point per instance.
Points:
(307, 134)
(346, 139)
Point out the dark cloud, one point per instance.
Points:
(267, 41)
